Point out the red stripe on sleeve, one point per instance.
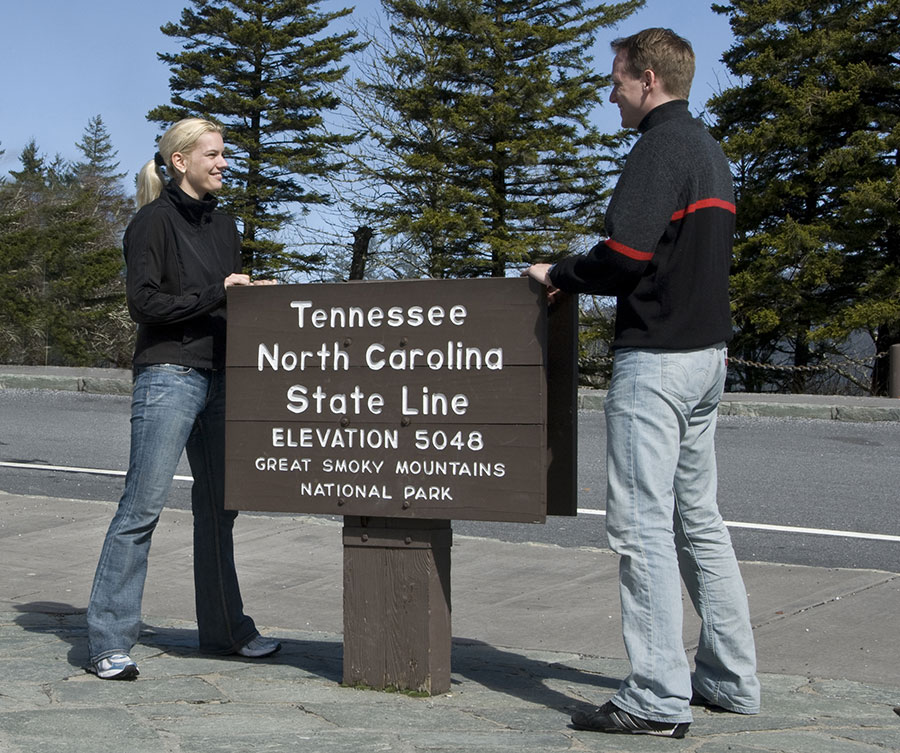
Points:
(631, 253)
(704, 204)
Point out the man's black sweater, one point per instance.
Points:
(671, 228)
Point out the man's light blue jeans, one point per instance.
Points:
(173, 407)
(662, 520)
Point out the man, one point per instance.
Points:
(670, 223)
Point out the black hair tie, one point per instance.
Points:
(158, 159)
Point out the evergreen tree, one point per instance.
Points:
(104, 327)
(480, 114)
(98, 168)
(23, 334)
(263, 68)
(33, 169)
(812, 128)
(61, 289)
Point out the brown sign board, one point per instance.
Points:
(413, 398)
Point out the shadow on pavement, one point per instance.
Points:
(529, 679)
(322, 658)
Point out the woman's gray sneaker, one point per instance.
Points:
(259, 647)
(116, 667)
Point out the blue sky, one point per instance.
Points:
(65, 61)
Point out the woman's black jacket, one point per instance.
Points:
(178, 252)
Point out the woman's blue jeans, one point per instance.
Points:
(663, 520)
(173, 407)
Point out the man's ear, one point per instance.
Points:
(654, 87)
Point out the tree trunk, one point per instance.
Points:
(886, 336)
(798, 378)
(361, 238)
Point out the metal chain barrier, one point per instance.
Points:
(591, 364)
(775, 367)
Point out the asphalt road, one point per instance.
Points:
(796, 473)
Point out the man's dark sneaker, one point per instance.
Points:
(897, 710)
(610, 718)
(699, 700)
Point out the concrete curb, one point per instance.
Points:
(822, 407)
(799, 410)
(97, 381)
(100, 386)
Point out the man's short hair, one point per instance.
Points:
(662, 51)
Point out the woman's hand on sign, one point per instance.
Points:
(541, 273)
(240, 279)
(236, 279)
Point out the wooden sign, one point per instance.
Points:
(413, 398)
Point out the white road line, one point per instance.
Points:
(816, 531)
(581, 510)
(785, 529)
(75, 469)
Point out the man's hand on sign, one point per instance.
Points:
(541, 273)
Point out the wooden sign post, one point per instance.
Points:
(401, 406)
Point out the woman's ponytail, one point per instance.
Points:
(150, 183)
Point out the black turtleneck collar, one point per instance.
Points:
(195, 211)
(675, 108)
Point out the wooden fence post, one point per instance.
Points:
(894, 384)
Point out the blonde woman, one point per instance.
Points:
(181, 255)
